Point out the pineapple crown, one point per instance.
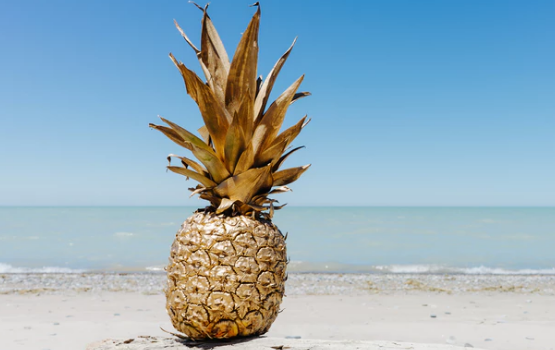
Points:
(241, 150)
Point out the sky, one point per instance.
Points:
(414, 103)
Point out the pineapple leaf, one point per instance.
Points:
(300, 95)
(172, 135)
(266, 184)
(258, 84)
(283, 158)
(264, 94)
(271, 121)
(189, 162)
(214, 57)
(246, 160)
(239, 150)
(209, 196)
(256, 207)
(280, 189)
(214, 115)
(287, 176)
(246, 117)
(242, 72)
(197, 51)
(234, 143)
(187, 136)
(262, 199)
(291, 133)
(197, 190)
(193, 175)
(186, 37)
(214, 165)
(203, 131)
(272, 153)
(224, 205)
(244, 186)
(280, 206)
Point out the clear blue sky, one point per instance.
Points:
(414, 102)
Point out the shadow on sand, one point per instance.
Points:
(215, 343)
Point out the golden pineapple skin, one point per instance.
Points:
(226, 276)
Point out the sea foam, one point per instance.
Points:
(301, 266)
(7, 268)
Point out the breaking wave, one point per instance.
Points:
(311, 267)
(302, 266)
(7, 268)
(154, 268)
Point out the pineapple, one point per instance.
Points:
(227, 264)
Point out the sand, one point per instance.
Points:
(50, 311)
(263, 342)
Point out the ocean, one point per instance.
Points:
(465, 240)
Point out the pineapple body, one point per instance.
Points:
(225, 276)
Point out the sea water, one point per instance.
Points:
(500, 240)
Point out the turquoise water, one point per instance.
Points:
(372, 239)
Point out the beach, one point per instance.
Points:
(68, 311)
(481, 277)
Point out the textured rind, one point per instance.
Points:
(225, 276)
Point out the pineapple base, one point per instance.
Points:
(226, 276)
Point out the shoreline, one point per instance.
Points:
(310, 267)
(303, 283)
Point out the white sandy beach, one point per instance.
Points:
(57, 311)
